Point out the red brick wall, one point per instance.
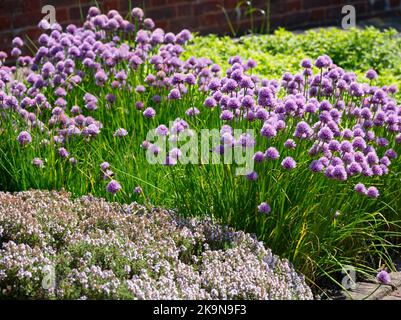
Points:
(20, 17)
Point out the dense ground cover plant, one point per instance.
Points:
(102, 250)
(354, 50)
(325, 189)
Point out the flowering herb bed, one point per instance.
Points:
(324, 189)
(101, 251)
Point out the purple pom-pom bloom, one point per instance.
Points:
(253, 176)
(24, 138)
(210, 102)
(226, 115)
(264, 208)
(120, 133)
(316, 166)
(63, 153)
(373, 193)
(137, 13)
(162, 130)
(192, 112)
(259, 157)
(306, 63)
(104, 166)
(325, 134)
(38, 163)
(371, 74)
(138, 190)
(289, 163)
(268, 131)
(170, 161)
(383, 277)
(360, 188)
(149, 113)
(290, 144)
(174, 94)
(323, 62)
(113, 187)
(272, 154)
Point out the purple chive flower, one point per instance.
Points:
(120, 133)
(105, 166)
(73, 161)
(377, 170)
(192, 112)
(346, 146)
(306, 63)
(262, 114)
(24, 138)
(111, 98)
(354, 169)
(174, 94)
(48, 68)
(340, 173)
(210, 102)
(63, 153)
(268, 131)
(139, 105)
(303, 130)
(391, 154)
(91, 105)
(325, 134)
(170, 161)
(372, 158)
(323, 62)
(334, 145)
(372, 192)
(371, 74)
(383, 277)
(385, 161)
(38, 163)
(361, 189)
(259, 157)
(316, 166)
(15, 52)
(382, 142)
(91, 130)
(149, 113)
(290, 144)
(227, 139)
(17, 42)
(359, 143)
(175, 153)
(251, 63)
(154, 149)
(264, 208)
(253, 176)
(289, 163)
(140, 89)
(100, 78)
(108, 174)
(246, 140)
(226, 115)
(113, 187)
(137, 13)
(272, 154)
(162, 130)
(149, 24)
(138, 190)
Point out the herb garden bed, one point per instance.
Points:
(318, 113)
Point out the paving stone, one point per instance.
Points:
(372, 290)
